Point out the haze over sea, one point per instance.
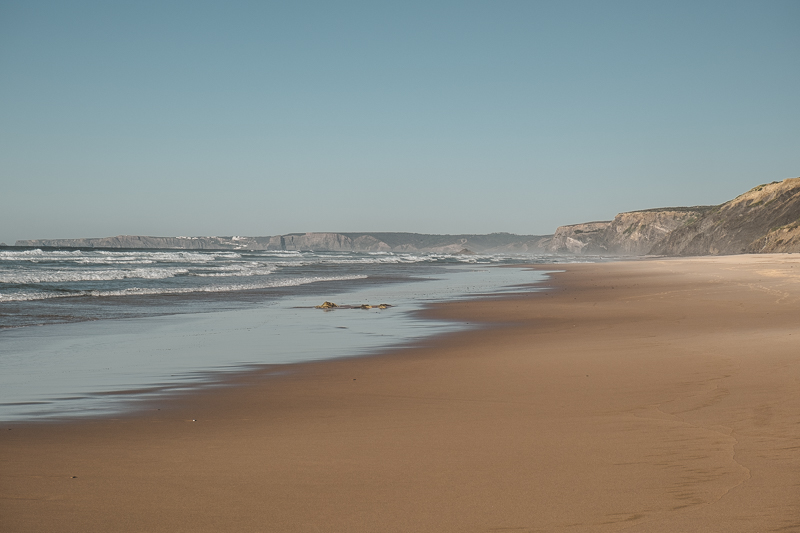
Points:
(78, 325)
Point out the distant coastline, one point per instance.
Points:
(765, 219)
(319, 242)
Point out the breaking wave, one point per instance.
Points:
(58, 276)
(61, 276)
(132, 291)
(111, 257)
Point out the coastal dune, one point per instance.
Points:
(655, 395)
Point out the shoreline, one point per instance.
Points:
(656, 395)
(114, 364)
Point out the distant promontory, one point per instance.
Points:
(762, 220)
(321, 242)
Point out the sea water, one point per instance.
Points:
(95, 332)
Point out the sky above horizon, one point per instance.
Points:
(264, 118)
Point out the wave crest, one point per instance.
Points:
(154, 291)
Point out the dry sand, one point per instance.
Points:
(638, 396)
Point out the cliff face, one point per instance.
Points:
(779, 240)
(636, 233)
(764, 219)
(319, 242)
(586, 238)
(632, 233)
(333, 242)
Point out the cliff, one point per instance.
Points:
(764, 219)
(783, 239)
(583, 238)
(319, 242)
(333, 242)
(632, 233)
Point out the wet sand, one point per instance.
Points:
(659, 395)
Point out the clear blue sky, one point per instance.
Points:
(260, 118)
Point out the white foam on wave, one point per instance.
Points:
(60, 276)
(133, 291)
(171, 255)
(344, 260)
(75, 273)
(395, 258)
(114, 261)
(294, 257)
(284, 252)
(248, 269)
(112, 256)
(37, 254)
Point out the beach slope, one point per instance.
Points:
(659, 395)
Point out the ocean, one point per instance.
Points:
(97, 332)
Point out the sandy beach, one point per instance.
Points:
(655, 395)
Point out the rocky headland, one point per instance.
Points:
(764, 219)
(633, 233)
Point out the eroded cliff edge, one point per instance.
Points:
(633, 233)
(764, 219)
